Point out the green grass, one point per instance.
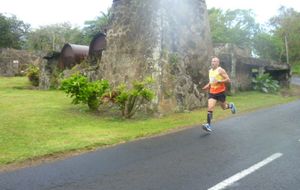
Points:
(37, 123)
(296, 69)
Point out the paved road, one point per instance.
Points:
(259, 150)
(295, 80)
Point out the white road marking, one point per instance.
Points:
(244, 173)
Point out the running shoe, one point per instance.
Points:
(206, 127)
(232, 108)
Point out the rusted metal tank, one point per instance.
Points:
(72, 54)
(97, 46)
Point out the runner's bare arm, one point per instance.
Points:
(206, 87)
(225, 76)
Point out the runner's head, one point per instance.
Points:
(215, 62)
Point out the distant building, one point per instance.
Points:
(242, 67)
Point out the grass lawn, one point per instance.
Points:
(296, 69)
(39, 124)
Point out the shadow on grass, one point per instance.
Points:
(25, 88)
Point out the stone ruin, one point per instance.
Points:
(168, 40)
(242, 67)
(71, 56)
(15, 62)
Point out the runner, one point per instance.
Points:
(216, 86)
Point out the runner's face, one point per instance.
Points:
(214, 63)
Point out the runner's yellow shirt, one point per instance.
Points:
(215, 86)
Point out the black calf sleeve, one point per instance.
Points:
(209, 116)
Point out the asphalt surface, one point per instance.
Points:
(186, 160)
(295, 80)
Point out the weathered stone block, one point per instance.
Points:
(166, 39)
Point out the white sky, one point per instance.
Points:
(41, 12)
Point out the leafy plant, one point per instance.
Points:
(265, 83)
(33, 74)
(13, 32)
(82, 91)
(285, 26)
(233, 26)
(130, 100)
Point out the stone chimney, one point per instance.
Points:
(168, 40)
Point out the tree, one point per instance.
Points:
(286, 25)
(13, 32)
(53, 37)
(98, 25)
(268, 46)
(233, 26)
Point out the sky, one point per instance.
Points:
(40, 12)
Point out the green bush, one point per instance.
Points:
(130, 100)
(33, 73)
(82, 91)
(265, 83)
(95, 93)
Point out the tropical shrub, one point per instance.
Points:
(33, 73)
(265, 83)
(82, 91)
(130, 101)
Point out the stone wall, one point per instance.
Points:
(241, 67)
(166, 39)
(49, 71)
(15, 62)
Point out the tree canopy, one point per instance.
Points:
(92, 27)
(53, 37)
(239, 27)
(233, 26)
(16, 34)
(286, 25)
(13, 32)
